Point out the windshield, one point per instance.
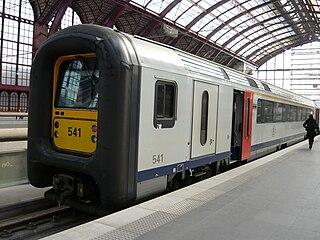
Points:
(78, 84)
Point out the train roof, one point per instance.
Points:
(198, 66)
(204, 67)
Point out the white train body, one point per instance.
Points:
(164, 116)
(162, 149)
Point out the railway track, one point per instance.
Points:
(38, 219)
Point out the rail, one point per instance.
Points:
(13, 134)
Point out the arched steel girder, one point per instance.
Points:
(230, 62)
(199, 30)
(198, 48)
(199, 17)
(203, 14)
(211, 45)
(43, 14)
(242, 23)
(265, 40)
(280, 50)
(116, 13)
(81, 10)
(289, 39)
(313, 13)
(253, 26)
(56, 24)
(266, 34)
(216, 30)
(274, 46)
(255, 40)
(303, 14)
(153, 23)
(195, 20)
(286, 16)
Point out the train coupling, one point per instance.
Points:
(67, 186)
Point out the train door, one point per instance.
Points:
(317, 115)
(241, 126)
(205, 105)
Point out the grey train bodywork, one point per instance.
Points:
(163, 115)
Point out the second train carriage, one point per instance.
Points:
(125, 118)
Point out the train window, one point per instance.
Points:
(259, 111)
(247, 117)
(267, 111)
(304, 113)
(252, 83)
(78, 84)
(224, 73)
(266, 87)
(204, 118)
(293, 113)
(277, 113)
(165, 104)
(286, 113)
(299, 114)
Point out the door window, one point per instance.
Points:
(204, 118)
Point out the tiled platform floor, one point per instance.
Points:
(274, 198)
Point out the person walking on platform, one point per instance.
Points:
(310, 125)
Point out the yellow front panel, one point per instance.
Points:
(74, 103)
(74, 134)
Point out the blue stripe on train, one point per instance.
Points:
(194, 162)
(199, 161)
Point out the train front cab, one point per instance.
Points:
(241, 126)
(67, 142)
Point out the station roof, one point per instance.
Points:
(224, 31)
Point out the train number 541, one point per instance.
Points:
(157, 158)
(76, 132)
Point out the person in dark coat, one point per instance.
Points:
(311, 126)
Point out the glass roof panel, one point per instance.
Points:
(202, 23)
(240, 43)
(256, 31)
(189, 15)
(232, 11)
(242, 26)
(260, 11)
(141, 3)
(225, 37)
(251, 51)
(236, 22)
(245, 30)
(210, 27)
(178, 10)
(219, 10)
(205, 4)
(219, 34)
(158, 6)
(225, 17)
(248, 5)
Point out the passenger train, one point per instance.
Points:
(115, 118)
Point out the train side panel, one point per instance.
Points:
(162, 145)
(269, 137)
(224, 120)
(204, 124)
(165, 117)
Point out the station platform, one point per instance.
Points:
(276, 197)
(13, 164)
(19, 194)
